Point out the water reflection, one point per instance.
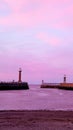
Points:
(36, 98)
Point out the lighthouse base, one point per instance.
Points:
(13, 86)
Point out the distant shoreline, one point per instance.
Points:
(32, 110)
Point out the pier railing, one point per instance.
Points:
(51, 84)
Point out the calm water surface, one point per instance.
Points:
(36, 98)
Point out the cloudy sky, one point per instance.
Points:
(36, 35)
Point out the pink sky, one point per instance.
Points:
(36, 35)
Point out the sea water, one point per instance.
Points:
(36, 98)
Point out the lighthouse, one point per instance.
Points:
(20, 71)
(64, 78)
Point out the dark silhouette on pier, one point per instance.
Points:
(14, 85)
